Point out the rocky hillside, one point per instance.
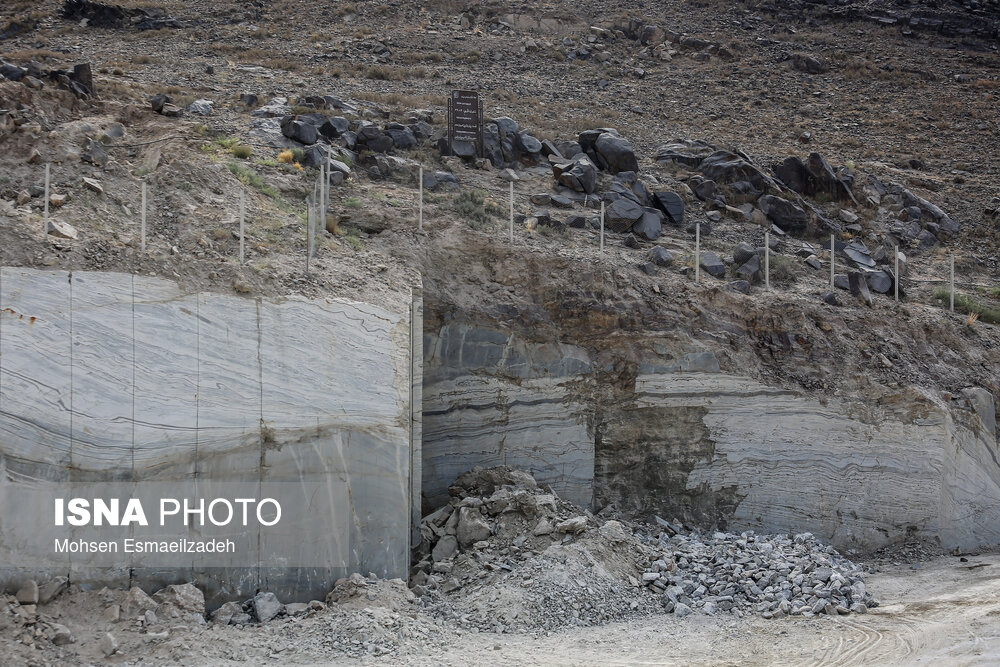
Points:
(721, 121)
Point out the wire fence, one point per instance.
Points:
(318, 204)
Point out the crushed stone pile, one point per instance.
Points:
(770, 574)
(362, 616)
(507, 555)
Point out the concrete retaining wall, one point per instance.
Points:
(117, 381)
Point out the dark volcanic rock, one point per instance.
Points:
(671, 204)
(743, 252)
(750, 270)
(650, 225)
(402, 137)
(712, 264)
(830, 298)
(808, 64)
(859, 287)
(334, 127)
(622, 214)
(783, 213)
(301, 131)
(741, 286)
(11, 72)
(689, 153)
(616, 153)
(157, 102)
(648, 268)
(880, 281)
(579, 173)
(725, 167)
(661, 256)
(812, 179)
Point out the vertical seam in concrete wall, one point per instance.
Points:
(133, 376)
(258, 302)
(69, 278)
(1, 338)
(131, 528)
(197, 386)
(416, 412)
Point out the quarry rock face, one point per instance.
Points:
(674, 433)
(263, 413)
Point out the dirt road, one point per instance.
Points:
(944, 612)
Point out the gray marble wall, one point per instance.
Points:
(116, 379)
(492, 399)
(686, 440)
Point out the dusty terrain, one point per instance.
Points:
(915, 105)
(938, 611)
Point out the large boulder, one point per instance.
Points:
(402, 136)
(472, 526)
(616, 153)
(712, 264)
(817, 178)
(650, 225)
(825, 180)
(725, 167)
(671, 204)
(688, 153)
(661, 256)
(299, 130)
(750, 269)
(334, 127)
(11, 72)
(529, 144)
(743, 252)
(578, 174)
(880, 281)
(266, 606)
(859, 287)
(622, 214)
(784, 214)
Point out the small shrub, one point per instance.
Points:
(299, 155)
(353, 239)
(286, 157)
(227, 142)
(248, 176)
(782, 269)
(352, 202)
(472, 207)
(966, 304)
(242, 152)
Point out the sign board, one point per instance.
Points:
(465, 118)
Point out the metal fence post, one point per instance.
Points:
(420, 204)
(325, 190)
(142, 219)
(243, 216)
(326, 196)
(310, 216)
(510, 230)
(767, 260)
(602, 225)
(895, 252)
(952, 306)
(697, 252)
(833, 262)
(45, 229)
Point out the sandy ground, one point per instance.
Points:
(944, 612)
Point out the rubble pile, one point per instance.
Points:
(509, 556)
(746, 573)
(506, 555)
